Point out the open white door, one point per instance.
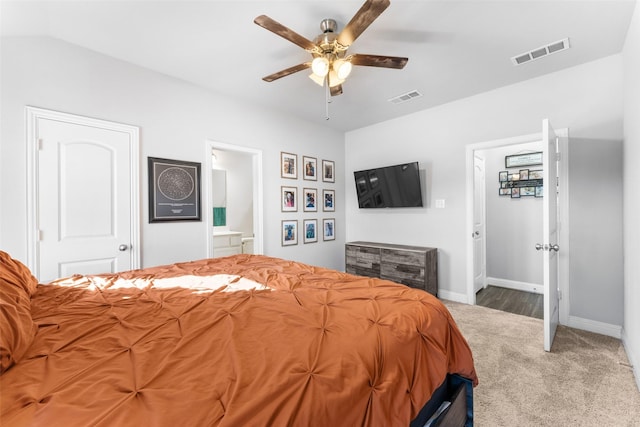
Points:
(549, 243)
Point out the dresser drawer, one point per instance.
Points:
(363, 261)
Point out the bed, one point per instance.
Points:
(245, 340)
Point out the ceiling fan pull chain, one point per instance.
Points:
(327, 96)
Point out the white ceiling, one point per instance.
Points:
(455, 48)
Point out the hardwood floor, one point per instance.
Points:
(510, 300)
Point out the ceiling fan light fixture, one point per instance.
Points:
(342, 68)
(320, 66)
(334, 79)
(317, 79)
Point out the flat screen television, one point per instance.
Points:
(395, 186)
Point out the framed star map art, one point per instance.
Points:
(174, 190)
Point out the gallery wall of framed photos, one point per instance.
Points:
(308, 198)
(522, 177)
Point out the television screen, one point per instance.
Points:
(395, 186)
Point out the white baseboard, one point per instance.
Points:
(633, 359)
(452, 296)
(595, 326)
(513, 284)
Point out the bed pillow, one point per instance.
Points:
(17, 328)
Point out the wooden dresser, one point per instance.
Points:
(414, 266)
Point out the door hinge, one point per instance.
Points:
(559, 294)
(39, 234)
(558, 156)
(39, 144)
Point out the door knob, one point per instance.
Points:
(123, 248)
(554, 248)
(539, 247)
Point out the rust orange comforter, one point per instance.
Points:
(245, 340)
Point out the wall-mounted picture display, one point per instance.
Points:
(289, 196)
(309, 167)
(328, 171)
(524, 174)
(289, 165)
(527, 159)
(503, 176)
(328, 200)
(515, 192)
(329, 229)
(310, 230)
(513, 177)
(504, 191)
(290, 232)
(174, 190)
(310, 199)
(539, 191)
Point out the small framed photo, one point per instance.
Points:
(513, 177)
(289, 198)
(527, 191)
(539, 189)
(290, 232)
(328, 229)
(289, 165)
(310, 230)
(524, 174)
(328, 200)
(328, 171)
(504, 191)
(503, 176)
(536, 174)
(309, 166)
(310, 198)
(515, 193)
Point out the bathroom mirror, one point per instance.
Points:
(219, 197)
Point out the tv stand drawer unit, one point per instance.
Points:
(414, 266)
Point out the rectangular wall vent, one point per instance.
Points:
(541, 52)
(405, 97)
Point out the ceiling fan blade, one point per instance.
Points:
(286, 33)
(379, 61)
(286, 72)
(368, 13)
(336, 90)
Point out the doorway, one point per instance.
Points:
(83, 195)
(474, 204)
(249, 194)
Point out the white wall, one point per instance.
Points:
(631, 149)
(595, 221)
(586, 99)
(176, 119)
(513, 226)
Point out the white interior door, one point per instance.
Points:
(86, 208)
(479, 242)
(549, 244)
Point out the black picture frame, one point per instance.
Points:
(174, 190)
(526, 159)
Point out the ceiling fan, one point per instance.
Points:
(331, 64)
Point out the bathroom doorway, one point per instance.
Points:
(233, 205)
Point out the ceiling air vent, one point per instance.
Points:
(541, 52)
(405, 97)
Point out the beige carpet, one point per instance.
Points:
(585, 380)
